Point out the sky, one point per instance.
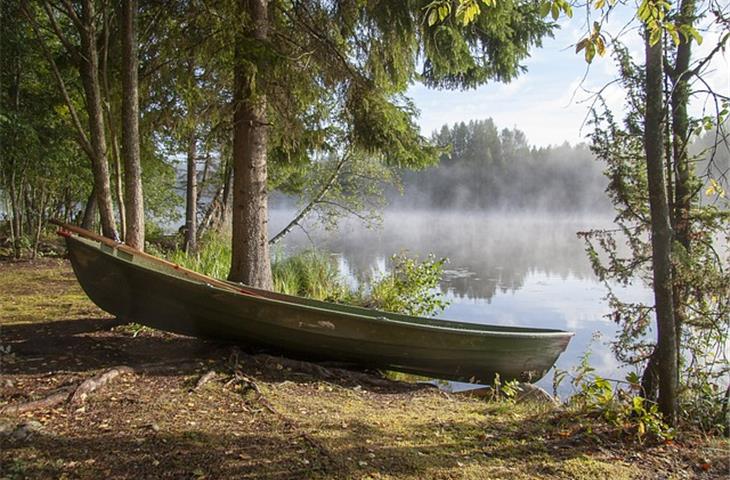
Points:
(551, 101)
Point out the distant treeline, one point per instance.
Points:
(485, 168)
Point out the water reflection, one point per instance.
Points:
(509, 269)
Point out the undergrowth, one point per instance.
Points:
(410, 286)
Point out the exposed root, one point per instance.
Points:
(49, 401)
(73, 394)
(203, 380)
(325, 373)
(88, 386)
(248, 383)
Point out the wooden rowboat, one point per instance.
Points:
(139, 287)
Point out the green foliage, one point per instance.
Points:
(504, 392)
(410, 287)
(475, 42)
(624, 409)
(133, 329)
(658, 16)
(592, 44)
(616, 402)
(43, 173)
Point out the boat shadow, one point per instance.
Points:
(83, 346)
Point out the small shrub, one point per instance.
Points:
(504, 392)
(411, 287)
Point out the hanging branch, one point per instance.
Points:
(315, 201)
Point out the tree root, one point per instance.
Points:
(239, 377)
(207, 377)
(56, 398)
(74, 394)
(93, 383)
(325, 373)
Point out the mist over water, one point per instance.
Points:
(506, 268)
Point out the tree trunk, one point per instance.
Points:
(684, 174)
(227, 202)
(87, 220)
(204, 176)
(661, 233)
(16, 222)
(130, 127)
(115, 155)
(89, 69)
(191, 204)
(118, 183)
(40, 221)
(250, 262)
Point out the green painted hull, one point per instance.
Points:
(150, 292)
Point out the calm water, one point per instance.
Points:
(507, 269)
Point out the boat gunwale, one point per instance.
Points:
(376, 317)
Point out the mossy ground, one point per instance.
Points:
(151, 425)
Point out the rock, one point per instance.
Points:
(532, 393)
(26, 430)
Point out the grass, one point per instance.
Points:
(310, 274)
(213, 258)
(41, 290)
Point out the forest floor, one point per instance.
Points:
(262, 416)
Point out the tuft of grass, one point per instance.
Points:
(213, 257)
(309, 274)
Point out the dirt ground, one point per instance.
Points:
(264, 416)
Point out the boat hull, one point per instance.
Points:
(155, 294)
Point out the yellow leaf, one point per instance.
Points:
(432, 18)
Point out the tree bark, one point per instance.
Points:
(89, 69)
(87, 220)
(116, 160)
(191, 204)
(661, 233)
(250, 262)
(684, 174)
(16, 223)
(130, 127)
(227, 202)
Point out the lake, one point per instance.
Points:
(504, 268)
